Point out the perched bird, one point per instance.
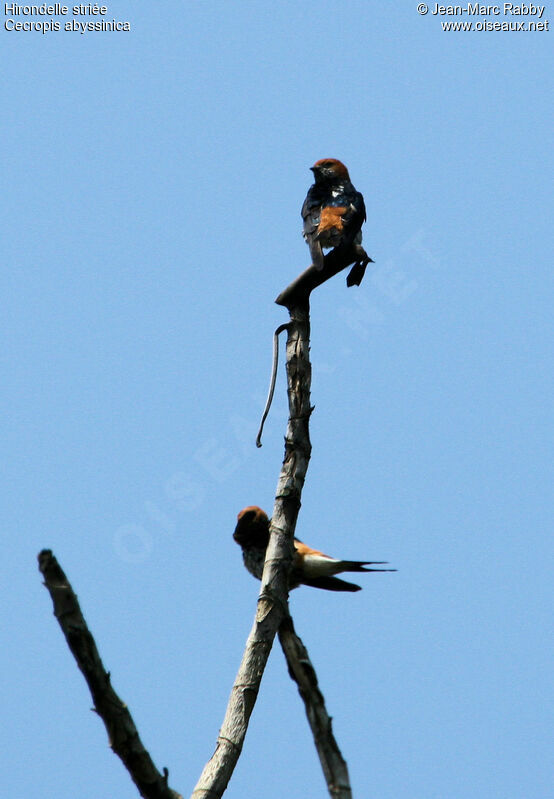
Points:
(310, 567)
(333, 211)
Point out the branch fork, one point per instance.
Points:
(272, 611)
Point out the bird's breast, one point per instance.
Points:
(254, 561)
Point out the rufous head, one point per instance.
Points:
(329, 170)
(252, 528)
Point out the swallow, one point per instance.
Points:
(333, 211)
(310, 566)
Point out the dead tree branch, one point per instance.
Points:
(272, 614)
(273, 599)
(299, 290)
(122, 733)
(303, 673)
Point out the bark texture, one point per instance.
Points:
(303, 673)
(273, 599)
(122, 733)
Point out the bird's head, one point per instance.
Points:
(329, 170)
(252, 528)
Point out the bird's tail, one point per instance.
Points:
(361, 566)
(332, 584)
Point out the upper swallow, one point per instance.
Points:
(333, 211)
(310, 566)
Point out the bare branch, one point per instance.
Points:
(303, 673)
(273, 599)
(122, 733)
(335, 261)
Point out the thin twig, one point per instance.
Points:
(303, 673)
(122, 733)
(273, 599)
(271, 391)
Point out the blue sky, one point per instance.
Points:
(151, 215)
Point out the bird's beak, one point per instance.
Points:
(313, 169)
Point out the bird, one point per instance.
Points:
(310, 566)
(333, 211)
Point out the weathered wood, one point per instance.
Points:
(273, 599)
(303, 673)
(122, 733)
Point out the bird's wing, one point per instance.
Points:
(355, 214)
(311, 222)
(311, 214)
(316, 253)
(313, 563)
(304, 549)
